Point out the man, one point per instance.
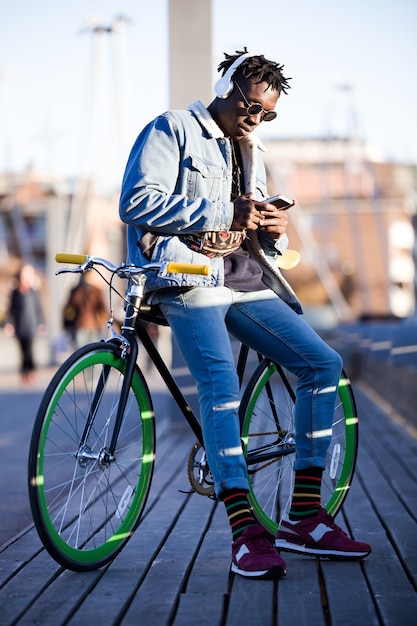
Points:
(85, 312)
(25, 319)
(190, 176)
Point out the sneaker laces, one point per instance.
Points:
(262, 542)
(329, 520)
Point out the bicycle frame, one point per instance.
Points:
(134, 331)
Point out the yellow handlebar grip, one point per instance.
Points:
(74, 259)
(188, 268)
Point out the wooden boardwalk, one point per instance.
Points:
(175, 569)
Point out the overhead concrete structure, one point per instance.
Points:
(190, 52)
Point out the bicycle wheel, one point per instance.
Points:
(85, 502)
(267, 423)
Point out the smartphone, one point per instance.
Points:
(281, 202)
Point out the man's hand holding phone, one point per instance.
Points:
(250, 214)
(282, 203)
(274, 219)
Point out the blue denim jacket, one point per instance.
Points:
(178, 181)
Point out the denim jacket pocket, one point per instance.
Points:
(203, 178)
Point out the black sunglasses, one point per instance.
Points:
(256, 108)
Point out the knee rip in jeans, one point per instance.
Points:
(227, 406)
(235, 451)
(331, 389)
(318, 434)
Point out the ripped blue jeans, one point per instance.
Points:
(201, 319)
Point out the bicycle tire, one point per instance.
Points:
(267, 427)
(85, 505)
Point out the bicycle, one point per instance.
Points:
(92, 449)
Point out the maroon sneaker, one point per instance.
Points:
(319, 535)
(254, 554)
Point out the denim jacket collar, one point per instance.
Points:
(249, 145)
(208, 123)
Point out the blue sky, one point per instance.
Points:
(45, 71)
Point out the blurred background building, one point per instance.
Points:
(353, 224)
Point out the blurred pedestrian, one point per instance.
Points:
(25, 318)
(85, 313)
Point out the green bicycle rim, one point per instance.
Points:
(343, 483)
(351, 424)
(110, 546)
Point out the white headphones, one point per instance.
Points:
(224, 86)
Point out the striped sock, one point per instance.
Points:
(306, 499)
(238, 511)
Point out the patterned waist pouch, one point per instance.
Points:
(215, 243)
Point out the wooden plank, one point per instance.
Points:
(299, 593)
(159, 594)
(17, 553)
(394, 451)
(210, 572)
(251, 602)
(392, 590)
(28, 584)
(349, 600)
(58, 599)
(395, 598)
(205, 595)
(375, 515)
(202, 609)
(387, 499)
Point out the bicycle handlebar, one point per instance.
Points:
(76, 259)
(85, 262)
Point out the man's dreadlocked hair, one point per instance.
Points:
(258, 69)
